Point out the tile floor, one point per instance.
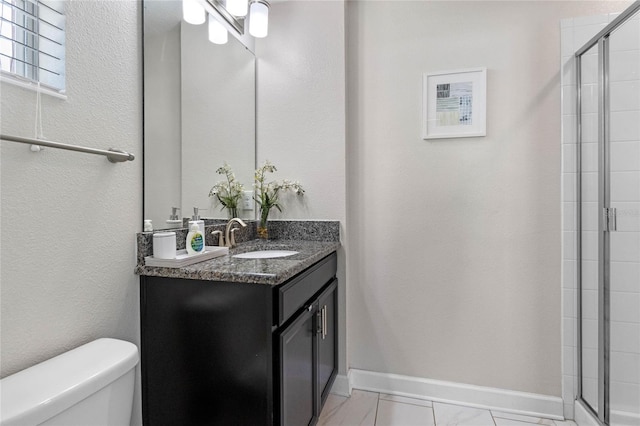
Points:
(374, 409)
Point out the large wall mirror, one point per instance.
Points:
(199, 112)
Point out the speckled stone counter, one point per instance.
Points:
(312, 240)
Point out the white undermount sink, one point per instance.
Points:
(265, 254)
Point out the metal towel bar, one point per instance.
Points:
(113, 155)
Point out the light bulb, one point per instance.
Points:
(259, 18)
(237, 7)
(193, 12)
(217, 32)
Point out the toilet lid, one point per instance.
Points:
(40, 392)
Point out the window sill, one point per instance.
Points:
(30, 85)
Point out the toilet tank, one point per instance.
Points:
(90, 385)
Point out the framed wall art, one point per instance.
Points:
(454, 104)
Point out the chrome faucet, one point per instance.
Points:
(229, 237)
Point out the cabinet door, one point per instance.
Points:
(327, 341)
(206, 353)
(297, 358)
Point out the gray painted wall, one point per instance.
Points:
(454, 262)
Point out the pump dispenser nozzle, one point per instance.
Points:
(196, 219)
(174, 213)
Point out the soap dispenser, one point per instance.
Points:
(174, 220)
(196, 219)
(195, 240)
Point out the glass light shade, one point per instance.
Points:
(217, 32)
(259, 19)
(193, 12)
(237, 7)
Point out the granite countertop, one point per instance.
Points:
(258, 271)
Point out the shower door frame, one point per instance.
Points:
(602, 41)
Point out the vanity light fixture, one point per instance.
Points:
(217, 32)
(193, 12)
(238, 7)
(259, 18)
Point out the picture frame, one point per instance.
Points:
(454, 104)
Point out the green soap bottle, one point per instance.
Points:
(195, 240)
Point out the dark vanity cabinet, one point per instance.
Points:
(230, 353)
(305, 385)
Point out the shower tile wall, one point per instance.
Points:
(625, 196)
(624, 71)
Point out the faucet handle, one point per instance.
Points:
(220, 237)
(233, 236)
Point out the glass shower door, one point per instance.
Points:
(623, 244)
(608, 77)
(590, 207)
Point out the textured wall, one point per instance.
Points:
(69, 219)
(454, 261)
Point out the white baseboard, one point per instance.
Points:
(342, 385)
(624, 418)
(529, 404)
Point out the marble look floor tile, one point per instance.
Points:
(510, 422)
(359, 409)
(406, 400)
(521, 418)
(391, 413)
(457, 415)
(332, 403)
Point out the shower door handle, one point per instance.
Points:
(610, 219)
(613, 220)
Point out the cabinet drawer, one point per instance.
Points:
(292, 296)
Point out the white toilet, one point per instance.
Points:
(91, 385)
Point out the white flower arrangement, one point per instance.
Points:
(266, 193)
(227, 192)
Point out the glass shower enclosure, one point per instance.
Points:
(608, 221)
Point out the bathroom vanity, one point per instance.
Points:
(240, 341)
